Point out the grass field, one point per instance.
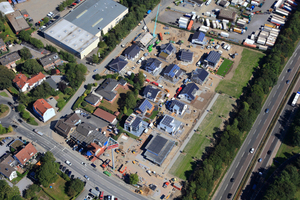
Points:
(3, 94)
(242, 74)
(114, 106)
(224, 68)
(183, 166)
(58, 190)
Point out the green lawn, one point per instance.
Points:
(58, 190)
(13, 90)
(153, 115)
(3, 94)
(184, 165)
(224, 68)
(242, 74)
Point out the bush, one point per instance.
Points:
(83, 104)
(77, 103)
(89, 86)
(97, 77)
(25, 115)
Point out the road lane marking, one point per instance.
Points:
(295, 54)
(256, 136)
(243, 154)
(259, 122)
(269, 103)
(249, 141)
(254, 131)
(237, 164)
(282, 78)
(291, 62)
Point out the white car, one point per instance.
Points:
(83, 163)
(252, 150)
(68, 163)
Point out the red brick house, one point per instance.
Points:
(26, 154)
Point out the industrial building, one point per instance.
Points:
(71, 38)
(227, 14)
(79, 31)
(17, 21)
(95, 16)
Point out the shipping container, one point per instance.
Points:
(194, 17)
(179, 89)
(225, 20)
(224, 34)
(292, 3)
(249, 45)
(270, 25)
(287, 8)
(261, 40)
(275, 21)
(238, 30)
(183, 26)
(262, 47)
(285, 11)
(9, 1)
(279, 17)
(224, 26)
(248, 41)
(270, 44)
(160, 36)
(217, 24)
(188, 15)
(207, 23)
(280, 12)
(190, 25)
(266, 28)
(214, 25)
(278, 3)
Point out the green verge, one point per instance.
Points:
(3, 94)
(242, 74)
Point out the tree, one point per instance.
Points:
(46, 173)
(130, 101)
(89, 86)
(24, 35)
(31, 66)
(125, 110)
(25, 53)
(97, 77)
(2, 26)
(141, 78)
(21, 108)
(101, 44)
(25, 115)
(84, 104)
(132, 76)
(48, 157)
(62, 86)
(36, 42)
(6, 77)
(32, 189)
(9, 129)
(17, 197)
(133, 179)
(74, 186)
(46, 19)
(95, 58)
(75, 74)
(7, 192)
(51, 48)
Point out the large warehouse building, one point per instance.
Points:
(79, 31)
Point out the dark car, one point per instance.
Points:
(288, 70)
(60, 166)
(63, 169)
(288, 81)
(229, 195)
(267, 110)
(259, 160)
(69, 173)
(20, 120)
(152, 187)
(93, 165)
(72, 176)
(97, 188)
(232, 180)
(269, 152)
(14, 126)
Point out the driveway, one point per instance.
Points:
(24, 184)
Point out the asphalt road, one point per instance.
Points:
(243, 157)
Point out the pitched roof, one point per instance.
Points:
(26, 153)
(106, 89)
(118, 64)
(6, 169)
(104, 115)
(41, 106)
(152, 64)
(227, 14)
(20, 80)
(198, 36)
(132, 51)
(177, 103)
(35, 78)
(168, 48)
(213, 57)
(92, 98)
(8, 58)
(173, 70)
(52, 83)
(85, 129)
(200, 73)
(167, 121)
(145, 105)
(48, 59)
(186, 55)
(150, 92)
(64, 125)
(190, 90)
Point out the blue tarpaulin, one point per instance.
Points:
(89, 153)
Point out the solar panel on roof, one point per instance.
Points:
(169, 48)
(167, 121)
(136, 122)
(201, 36)
(145, 105)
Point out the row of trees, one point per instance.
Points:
(202, 181)
(6, 77)
(26, 36)
(285, 186)
(137, 10)
(9, 193)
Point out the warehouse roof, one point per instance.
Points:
(17, 21)
(94, 15)
(158, 149)
(6, 8)
(227, 14)
(71, 35)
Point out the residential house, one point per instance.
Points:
(49, 61)
(135, 125)
(52, 83)
(67, 125)
(177, 107)
(169, 124)
(167, 50)
(25, 155)
(86, 133)
(212, 59)
(9, 60)
(26, 84)
(7, 164)
(199, 38)
(93, 98)
(132, 52)
(186, 56)
(151, 93)
(227, 14)
(199, 76)
(172, 72)
(118, 64)
(158, 149)
(153, 66)
(144, 107)
(189, 92)
(2, 45)
(106, 116)
(108, 89)
(43, 110)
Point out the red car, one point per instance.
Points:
(101, 195)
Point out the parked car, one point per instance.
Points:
(93, 165)
(260, 159)
(252, 150)
(101, 195)
(87, 178)
(68, 163)
(63, 169)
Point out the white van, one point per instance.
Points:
(68, 163)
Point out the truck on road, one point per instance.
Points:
(38, 132)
